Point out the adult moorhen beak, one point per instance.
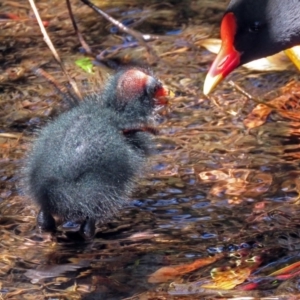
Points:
(227, 59)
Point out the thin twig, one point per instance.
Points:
(247, 95)
(51, 47)
(142, 38)
(82, 41)
(61, 89)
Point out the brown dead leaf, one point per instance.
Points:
(241, 182)
(12, 74)
(287, 105)
(258, 116)
(227, 279)
(165, 274)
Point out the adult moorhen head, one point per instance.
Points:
(252, 29)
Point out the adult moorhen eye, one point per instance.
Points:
(255, 27)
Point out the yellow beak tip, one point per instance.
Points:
(210, 83)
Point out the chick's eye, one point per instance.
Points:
(255, 27)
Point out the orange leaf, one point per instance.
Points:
(228, 279)
(258, 116)
(165, 274)
(286, 269)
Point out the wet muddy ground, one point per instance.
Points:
(212, 188)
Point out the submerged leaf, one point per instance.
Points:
(49, 271)
(229, 277)
(165, 274)
(258, 116)
(286, 105)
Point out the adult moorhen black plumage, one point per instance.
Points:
(253, 29)
(83, 165)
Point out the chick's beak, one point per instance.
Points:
(162, 95)
(227, 59)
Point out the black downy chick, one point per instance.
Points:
(84, 164)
